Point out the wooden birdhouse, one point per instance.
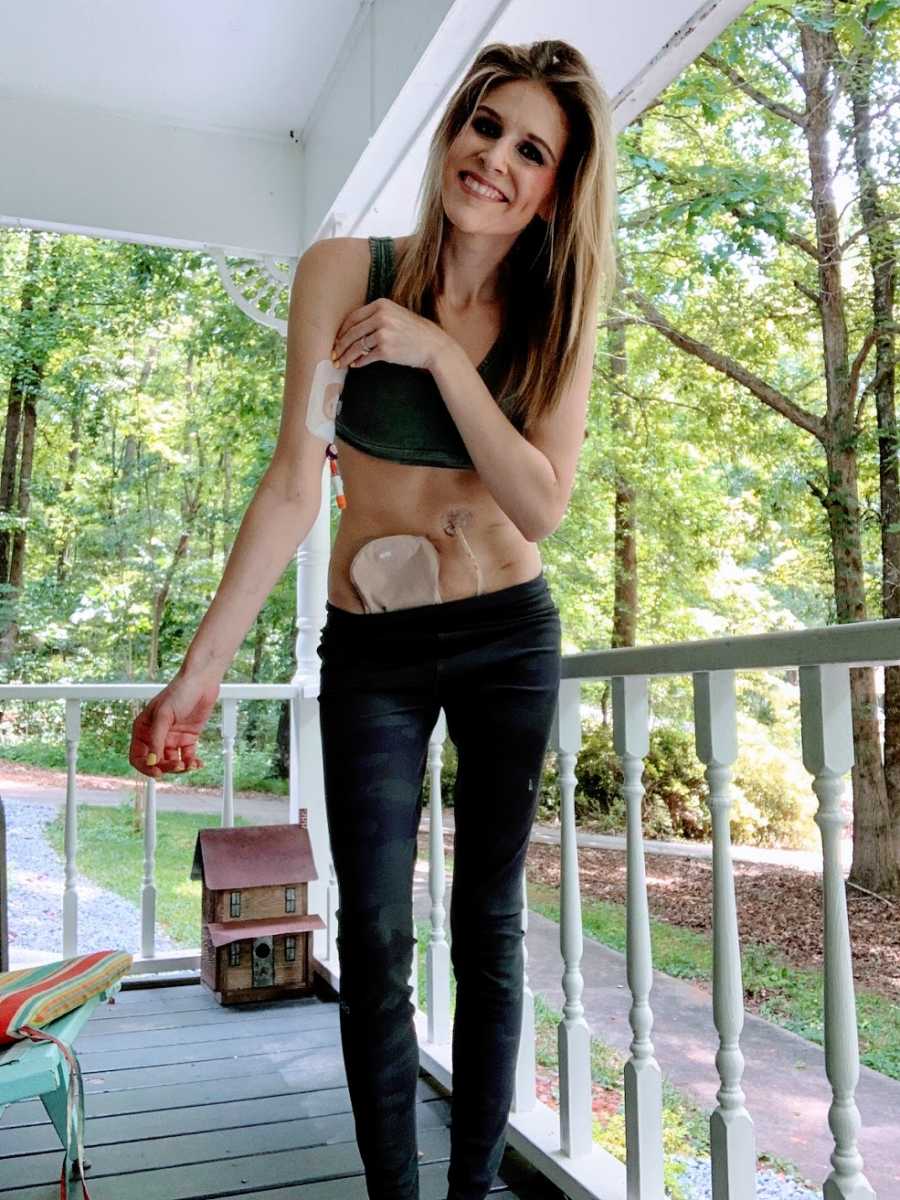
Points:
(256, 932)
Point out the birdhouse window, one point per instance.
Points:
(235, 904)
(234, 954)
(290, 947)
(290, 900)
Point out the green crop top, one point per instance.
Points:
(397, 412)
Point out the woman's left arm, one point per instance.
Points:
(529, 475)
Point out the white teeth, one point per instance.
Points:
(472, 185)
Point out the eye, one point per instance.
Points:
(482, 121)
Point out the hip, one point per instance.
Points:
(521, 618)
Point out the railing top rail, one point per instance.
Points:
(862, 643)
(138, 691)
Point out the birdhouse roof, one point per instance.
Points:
(222, 933)
(253, 856)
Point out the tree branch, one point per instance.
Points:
(809, 293)
(727, 366)
(857, 365)
(884, 219)
(775, 106)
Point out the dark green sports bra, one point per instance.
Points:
(397, 412)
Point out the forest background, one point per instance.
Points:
(740, 475)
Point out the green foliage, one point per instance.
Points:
(771, 805)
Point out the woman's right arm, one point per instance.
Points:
(279, 517)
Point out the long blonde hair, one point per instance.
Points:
(557, 272)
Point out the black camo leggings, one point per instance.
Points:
(492, 662)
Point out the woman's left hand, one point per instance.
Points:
(391, 332)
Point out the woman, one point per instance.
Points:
(462, 357)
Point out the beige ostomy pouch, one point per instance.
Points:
(324, 399)
(398, 571)
(402, 569)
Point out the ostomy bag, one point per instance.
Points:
(397, 571)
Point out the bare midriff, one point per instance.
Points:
(386, 497)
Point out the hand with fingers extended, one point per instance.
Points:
(164, 734)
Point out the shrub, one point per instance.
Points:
(771, 801)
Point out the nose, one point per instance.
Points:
(495, 157)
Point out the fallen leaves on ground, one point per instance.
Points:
(776, 906)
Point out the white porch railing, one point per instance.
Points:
(560, 1144)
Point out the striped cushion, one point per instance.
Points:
(36, 996)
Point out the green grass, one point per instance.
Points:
(111, 853)
(793, 995)
(252, 768)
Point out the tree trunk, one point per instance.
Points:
(874, 862)
(62, 550)
(883, 263)
(17, 389)
(625, 599)
(252, 733)
(24, 389)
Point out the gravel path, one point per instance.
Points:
(36, 881)
(696, 1180)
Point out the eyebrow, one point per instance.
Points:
(534, 137)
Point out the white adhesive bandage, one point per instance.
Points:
(324, 399)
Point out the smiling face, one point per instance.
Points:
(514, 143)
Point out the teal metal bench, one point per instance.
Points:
(39, 1071)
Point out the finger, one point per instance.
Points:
(354, 319)
(361, 356)
(348, 341)
(159, 731)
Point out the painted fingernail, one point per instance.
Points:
(180, 767)
(151, 759)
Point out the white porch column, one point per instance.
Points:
(307, 786)
(307, 789)
(70, 889)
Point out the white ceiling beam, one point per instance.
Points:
(673, 56)
(107, 175)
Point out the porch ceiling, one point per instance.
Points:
(256, 128)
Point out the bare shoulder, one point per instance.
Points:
(342, 265)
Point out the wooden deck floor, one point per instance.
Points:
(187, 1099)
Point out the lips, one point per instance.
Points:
(479, 179)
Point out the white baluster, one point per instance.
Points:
(437, 959)
(332, 904)
(643, 1079)
(70, 891)
(229, 731)
(573, 1037)
(148, 892)
(732, 1142)
(525, 1084)
(827, 736)
(414, 968)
